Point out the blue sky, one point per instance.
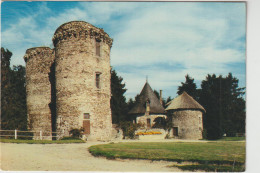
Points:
(161, 40)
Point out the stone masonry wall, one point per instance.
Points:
(38, 89)
(76, 68)
(189, 123)
(143, 119)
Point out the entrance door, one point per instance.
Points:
(175, 131)
(86, 123)
(86, 126)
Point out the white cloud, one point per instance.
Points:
(201, 38)
(178, 36)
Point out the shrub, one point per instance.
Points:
(167, 136)
(76, 133)
(128, 129)
(163, 123)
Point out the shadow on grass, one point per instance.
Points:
(212, 167)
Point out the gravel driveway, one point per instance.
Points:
(70, 157)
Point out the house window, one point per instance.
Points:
(98, 80)
(199, 120)
(98, 45)
(86, 116)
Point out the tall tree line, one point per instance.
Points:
(223, 101)
(13, 94)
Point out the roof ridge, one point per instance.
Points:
(184, 101)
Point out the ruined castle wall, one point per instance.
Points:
(189, 124)
(77, 64)
(38, 89)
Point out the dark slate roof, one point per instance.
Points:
(184, 101)
(140, 106)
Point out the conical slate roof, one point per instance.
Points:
(140, 106)
(184, 101)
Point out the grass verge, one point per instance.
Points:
(208, 155)
(18, 141)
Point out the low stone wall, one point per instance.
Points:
(151, 137)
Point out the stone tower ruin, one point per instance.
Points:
(38, 89)
(79, 82)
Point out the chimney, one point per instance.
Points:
(161, 97)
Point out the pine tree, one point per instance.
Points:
(189, 86)
(118, 101)
(224, 104)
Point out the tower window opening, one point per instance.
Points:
(98, 80)
(86, 116)
(98, 45)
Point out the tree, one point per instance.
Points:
(163, 123)
(13, 94)
(118, 101)
(130, 104)
(189, 86)
(224, 104)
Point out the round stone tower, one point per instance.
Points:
(38, 89)
(82, 70)
(186, 116)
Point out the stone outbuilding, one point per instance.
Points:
(147, 107)
(186, 116)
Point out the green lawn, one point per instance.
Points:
(232, 139)
(206, 154)
(42, 141)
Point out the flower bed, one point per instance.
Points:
(148, 133)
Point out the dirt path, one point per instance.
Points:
(69, 157)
